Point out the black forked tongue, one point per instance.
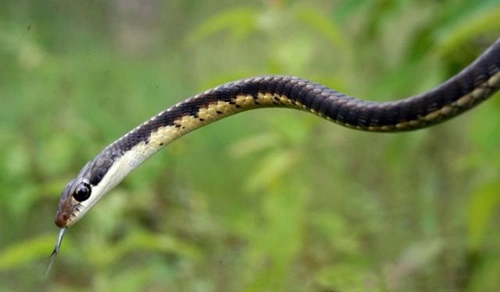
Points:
(56, 250)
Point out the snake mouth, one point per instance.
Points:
(65, 219)
(62, 219)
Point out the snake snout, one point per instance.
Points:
(61, 219)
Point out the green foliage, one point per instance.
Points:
(270, 200)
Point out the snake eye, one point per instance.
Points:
(82, 192)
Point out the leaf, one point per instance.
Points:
(270, 169)
(414, 259)
(239, 21)
(469, 29)
(482, 207)
(293, 54)
(485, 277)
(349, 276)
(19, 254)
(143, 241)
(255, 143)
(419, 255)
(326, 27)
(346, 9)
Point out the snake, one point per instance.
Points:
(468, 88)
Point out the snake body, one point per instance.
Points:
(462, 92)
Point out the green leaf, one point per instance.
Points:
(239, 21)
(143, 241)
(350, 276)
(270, 170)
(482, 207)
(485, 277)
(324, 26)
(470, 28)
(255, 143)
(22, 253)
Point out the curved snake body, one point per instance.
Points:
(462, 92)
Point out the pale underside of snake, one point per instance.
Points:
(471, 86)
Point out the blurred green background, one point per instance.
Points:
(269, 200)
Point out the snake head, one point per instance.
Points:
(94, 180)
(75, 192)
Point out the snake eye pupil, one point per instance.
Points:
(82, 192)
